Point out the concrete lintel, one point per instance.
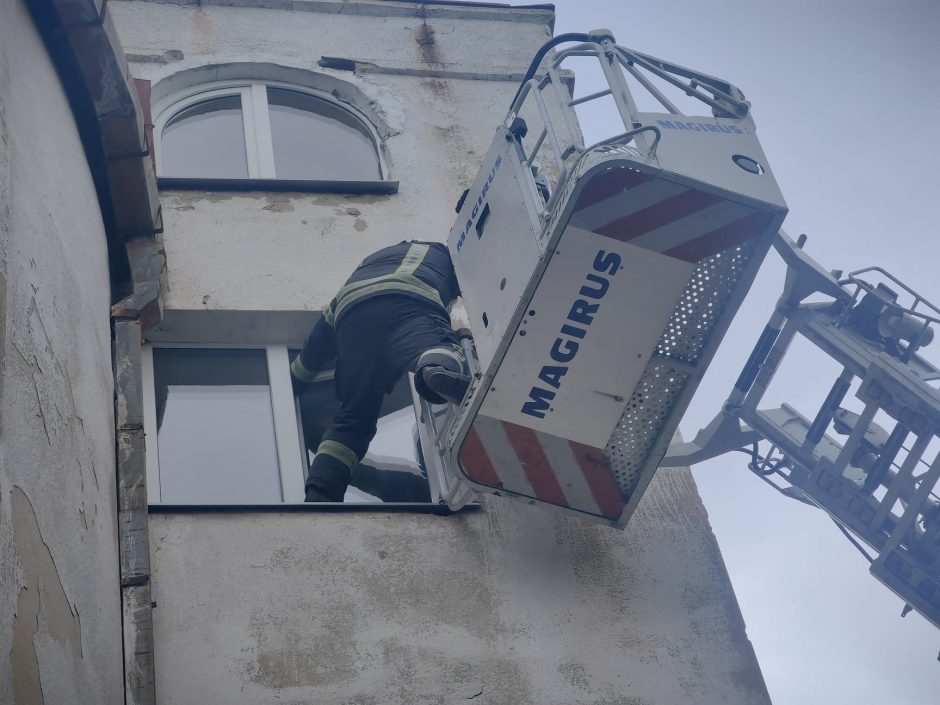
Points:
(233, 327)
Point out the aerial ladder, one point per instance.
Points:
(600, 279)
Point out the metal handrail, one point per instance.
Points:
(853, 278)
(722, 96)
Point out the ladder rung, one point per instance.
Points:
(586, 98)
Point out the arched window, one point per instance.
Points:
(264, 130)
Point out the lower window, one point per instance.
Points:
(223, 426)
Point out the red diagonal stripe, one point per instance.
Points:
(600, 479)
(609, 184)
(658, 215)
(475, 461)
(536, 465)
(722, 238)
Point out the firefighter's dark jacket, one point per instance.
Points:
(421, 270)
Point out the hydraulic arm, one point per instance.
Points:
(880, 483)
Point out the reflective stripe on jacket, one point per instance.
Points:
(422, 270)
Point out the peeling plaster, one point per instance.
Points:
(42, 606)
(151, 58)
(50, 380)
(279, 204)
(61, 619)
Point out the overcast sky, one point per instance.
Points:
(845, 99)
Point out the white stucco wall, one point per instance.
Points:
(60, 626)
(287, 251)
(509, 605)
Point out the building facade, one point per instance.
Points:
(290, 139)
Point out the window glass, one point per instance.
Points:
(390, 471)
(314, 139)
(206, 140)
(215, 427)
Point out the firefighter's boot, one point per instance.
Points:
(441, 375)
(328, 477)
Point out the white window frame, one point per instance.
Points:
(259, 147)
(291, 455)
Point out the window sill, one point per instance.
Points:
(304, 186)
(379, 507)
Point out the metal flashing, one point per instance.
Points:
(303, 186)
(326, 507)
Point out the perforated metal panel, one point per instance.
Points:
(639, 427)
(703, 302)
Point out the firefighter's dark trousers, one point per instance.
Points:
(377, 341)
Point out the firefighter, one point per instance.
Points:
(390, 317)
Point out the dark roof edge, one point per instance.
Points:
(542, 6)
(83, 45)
(444, 9)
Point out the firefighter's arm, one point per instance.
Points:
(317, 354)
